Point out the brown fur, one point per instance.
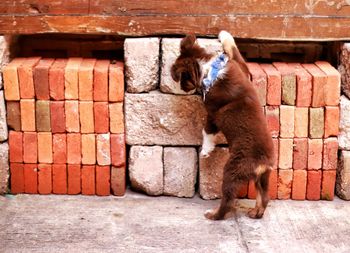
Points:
(233, 108)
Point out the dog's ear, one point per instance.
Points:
(187, 43)
(175, 73)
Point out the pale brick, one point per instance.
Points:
(3, 124)
(343, 176)
(146, 169)
(301, 122)
(330, 154)
(314, 159)
(180, 171)
(170, 51)
(141, 64)
(4, 167)
(285, 179)
(287, 121)
(103, 149)
(160, 119)
(211, 173)
(344, 124)
(285, 160)
(316, 123)
(344, 69)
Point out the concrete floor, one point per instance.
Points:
(137, 223)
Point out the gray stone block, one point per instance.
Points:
(344, 123)
(180, 171)
(3, 123)
(146, 169)
(141, 64)
(344, 69)
(343, 176)
(4, 167)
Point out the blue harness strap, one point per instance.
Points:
(218, 64)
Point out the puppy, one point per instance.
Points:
(233, 108)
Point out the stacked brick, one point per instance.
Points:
(66, 126)
(300, 101)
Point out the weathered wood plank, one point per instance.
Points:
(24, 7)
(220, 7)
(242, 26)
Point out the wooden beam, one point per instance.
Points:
(242, 26)
(318, 20)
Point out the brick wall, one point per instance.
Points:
(300, 101)
(66, 124)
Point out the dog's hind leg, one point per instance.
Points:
(232, 182)
(262, 197)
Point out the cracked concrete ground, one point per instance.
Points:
(138, 223)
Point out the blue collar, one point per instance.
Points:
(218, 64)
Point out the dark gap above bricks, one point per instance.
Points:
(111, 47)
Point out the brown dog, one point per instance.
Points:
(233, 108)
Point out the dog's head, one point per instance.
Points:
(186, 68)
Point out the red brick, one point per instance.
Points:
(116, 118)
(30, 147)
(41, 79)
(288, 82)
(58, 119)
(243, 190)
(273, 184)
(103, 180)
(313, 189)
(259, 81)
(103, 150)
(30, 178)
(86, 79)
(116, 82)
(316, 123)
(59, 148)
(118, 152)
(285, 178)
(88, 149)
(44, 147)
(299, 184)
(331, 121)
(304, 85)
(273, 96)
(301, 122)
(13, 115)
(273, 120)
(71, 78)
(314, 159)
(287, 121)
(118, 180)
(330, 154)
(319, 81)
(73, 148)
(17, 178)
(88, 179)
(44, 179)
(332, 87)
(328, 184)
(285, 154)
(59, 178)
(101, 117)
(16, 146)
(42, 116)
(28, 115)
(300, 153)
(101, 80)
(56, 79)
(276, 151)
(72, 116)
(11, 82)
(251, 190)
(86, 111)
(25, 77)
(74, 178)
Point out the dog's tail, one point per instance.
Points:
(230, 48)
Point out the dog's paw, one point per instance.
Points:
(226, 36)
(256, 213)
(210, 214)
(205, 153)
